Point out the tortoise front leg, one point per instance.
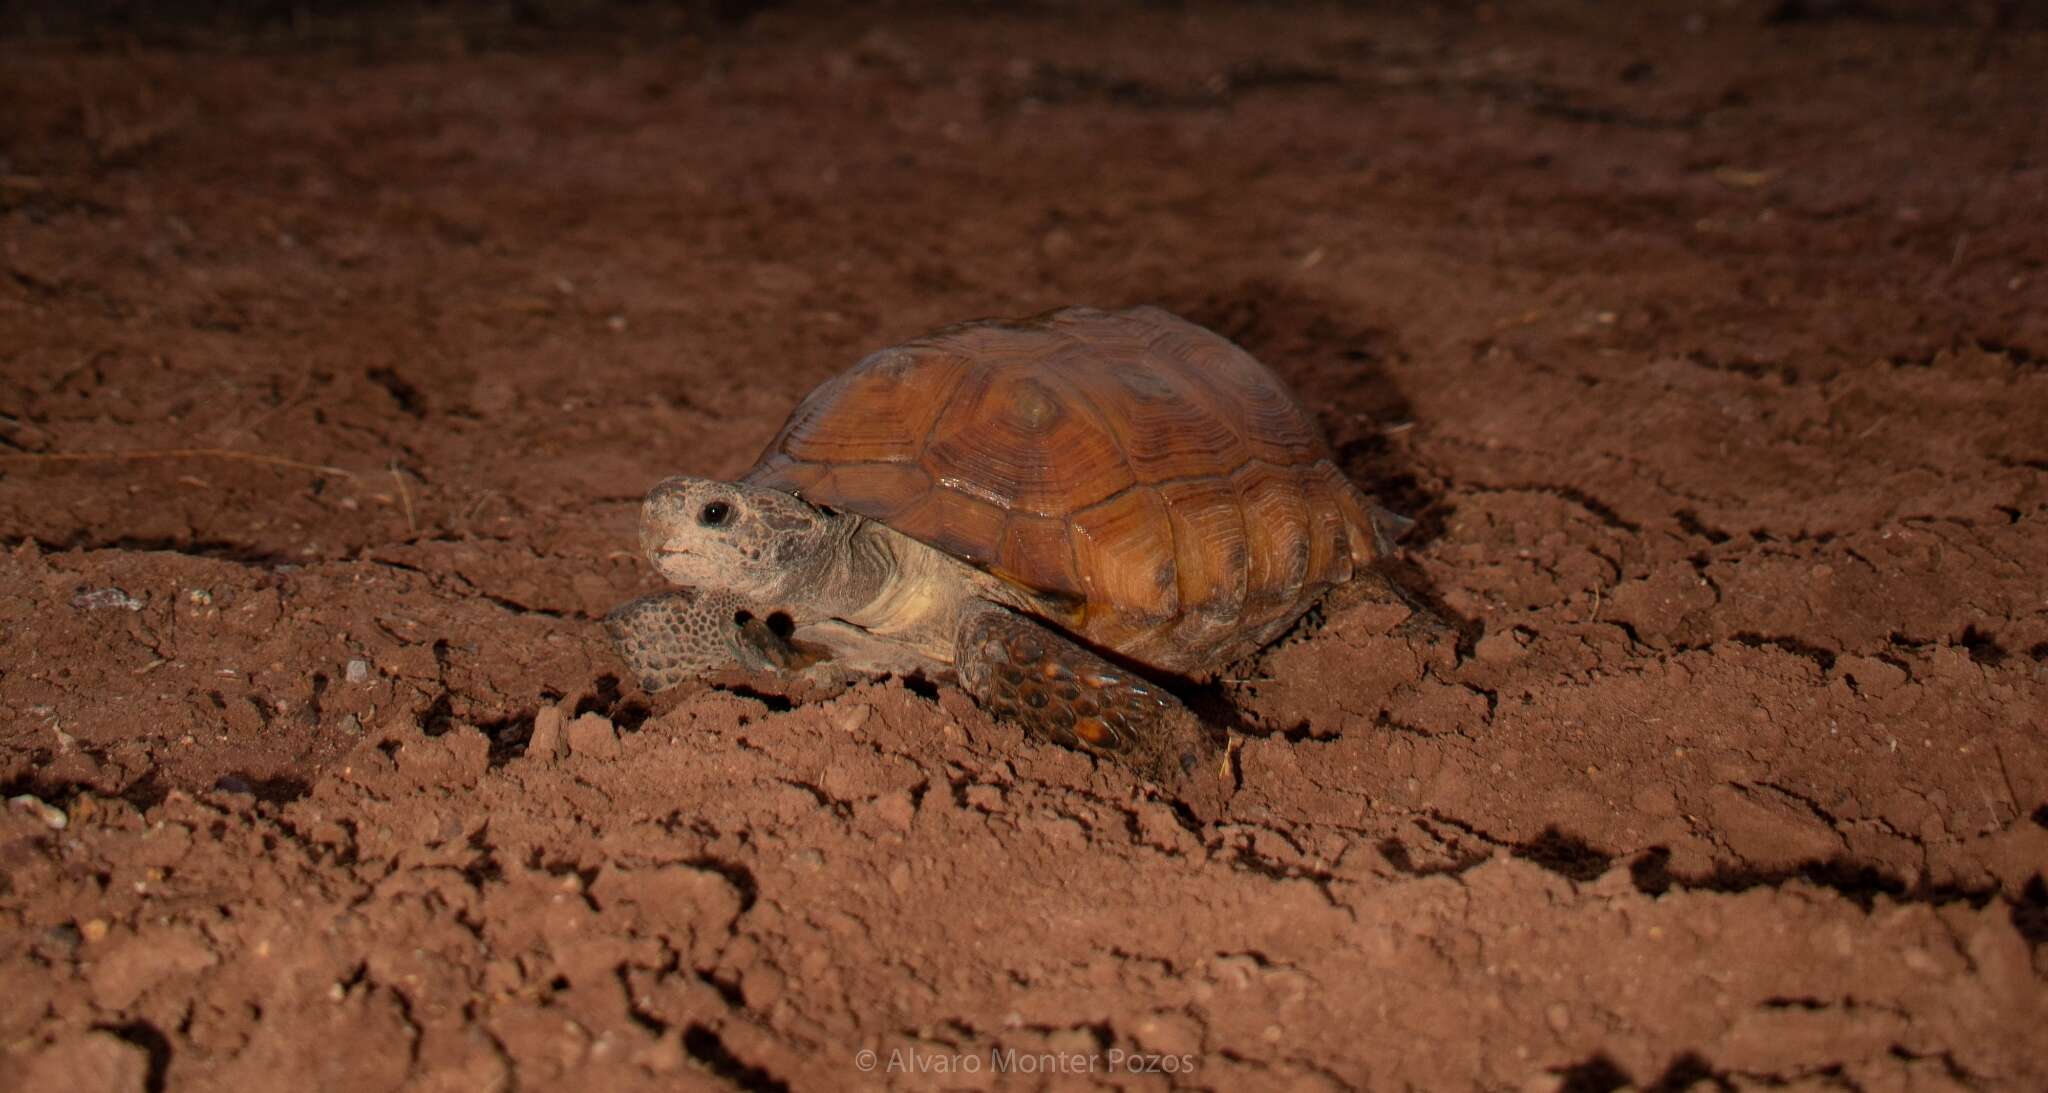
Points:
(1020, 670)
(687, 634)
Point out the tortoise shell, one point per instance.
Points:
(1157, 490)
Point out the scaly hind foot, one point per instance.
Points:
(1061, 691)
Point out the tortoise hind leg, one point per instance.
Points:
(1020, 670)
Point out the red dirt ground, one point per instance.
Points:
(1709, 345)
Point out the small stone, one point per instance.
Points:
(546, 741)
(593, 735)
(100, 599)
(358, 671)
(1168, 1033)
(92, 930)
(1073, 1042)
(50, 814)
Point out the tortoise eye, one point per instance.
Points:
(715, 514)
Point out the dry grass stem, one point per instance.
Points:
(177, 453)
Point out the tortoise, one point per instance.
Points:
(1040, 506)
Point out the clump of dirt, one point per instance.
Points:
(1707, 750)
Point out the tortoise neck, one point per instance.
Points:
(843, 579)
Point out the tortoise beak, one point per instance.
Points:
(654, 541)
(661, 513)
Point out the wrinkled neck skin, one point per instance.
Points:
(838, 579)
(885, 583)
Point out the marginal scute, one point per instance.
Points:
(1329, 540)
(1158, 488)
(1211, 556)
(1276, 521)
(1039, 551)
(963, 526)
(1125, 549)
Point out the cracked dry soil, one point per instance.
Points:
(1709, 346)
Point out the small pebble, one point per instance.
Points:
(103, 598)
(592, 735)
(546, 741)
(358, 671)
(50, 814)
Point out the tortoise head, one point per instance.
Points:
(751, 540)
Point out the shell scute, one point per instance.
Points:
(1025, 441)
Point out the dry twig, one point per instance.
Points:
(176, 453)
(412, 526)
